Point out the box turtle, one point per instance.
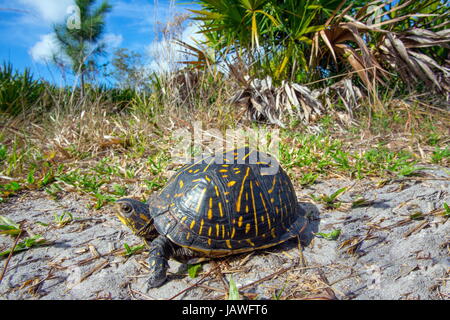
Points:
(236, 201)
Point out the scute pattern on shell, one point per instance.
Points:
(225, 206)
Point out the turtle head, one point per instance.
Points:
(135, 215)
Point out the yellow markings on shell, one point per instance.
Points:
(262, 162)
(144, 217)
(225, 176)
(273, 233)
(246, 209)
(217, 190)
(177, 195)
(233, 232)
(188, 235)
(241, 218)
(201, 227)
(190, 171)
(273, 184)
(217, 230)
(220, 209)
(262, 218)
(223, 231)
(231, 183)
(255, 215)
(228, 244)
(247, 227)
(172, 204)
(280, 198)
(209, 242)
(250, 242)
(207, 179)
(237, 172)
(272, 200)
(181, 183)
(206, 168)
(192, 224)
(197, 170)
(263, 202)
(210, 211)
(238, 203)
(223, 170)
(196, 180)
(183, 219)
(226, 193)
(200, 200)
(225, 165)
(209, 231)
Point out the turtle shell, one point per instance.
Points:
(236, 201)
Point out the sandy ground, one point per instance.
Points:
(380, 254)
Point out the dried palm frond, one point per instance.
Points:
(264, 102)
(398, 51)
(345, 40)
(343, 91)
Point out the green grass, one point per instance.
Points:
(9, 227)
(333, 235)
(129, 251)
(26, 244)
(233, 292)
(318, 155)
(194, 269)
(439, 155)
(330, 201)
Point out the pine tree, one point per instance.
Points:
(80, 37)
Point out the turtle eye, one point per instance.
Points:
(126, 208)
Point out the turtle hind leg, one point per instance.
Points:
(161, 250)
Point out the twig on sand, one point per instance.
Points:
(195, 284)
(10, 255)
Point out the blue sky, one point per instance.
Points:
(26, 27)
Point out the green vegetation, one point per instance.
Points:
(333, 235)
(19, 92)
(9, 227)
(26, 244)
(129, 251)
(194, 269)
(331, 200)
(233, 293)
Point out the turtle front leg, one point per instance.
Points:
(161, 250)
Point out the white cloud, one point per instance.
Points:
(165, 55)
(45, 48)
(113, 40)
(50, 10)
(191, 35)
